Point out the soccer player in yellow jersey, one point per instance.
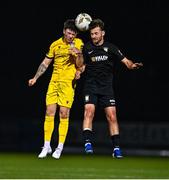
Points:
(67, 57)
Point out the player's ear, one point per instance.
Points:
(64, 31)
(103, 33)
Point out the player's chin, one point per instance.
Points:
(95, 41)
(69, 40)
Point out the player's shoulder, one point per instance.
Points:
(78, 41)
(56, 42)
(110, 44)
(88, 45)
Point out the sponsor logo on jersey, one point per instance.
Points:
(93, 59)
(99, 58)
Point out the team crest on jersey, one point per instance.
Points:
(105, 49)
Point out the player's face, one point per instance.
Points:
(69, 35)
(97, 36)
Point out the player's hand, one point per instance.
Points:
(31, 82)
(74, 51)
(77, 74)
(136, 65)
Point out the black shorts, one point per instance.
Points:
(102, 100)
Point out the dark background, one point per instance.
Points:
(139, 28)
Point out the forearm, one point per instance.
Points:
(77, 55)
(128, 63)
(79, 60)
(131, 65)
(41, 69)
(81, 69)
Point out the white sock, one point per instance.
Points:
(47, 144)
(60, 146)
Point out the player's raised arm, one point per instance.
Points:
(41, 69)
(78, 56)
(131, 65)
(79, 60)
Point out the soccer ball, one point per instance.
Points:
(82, 21)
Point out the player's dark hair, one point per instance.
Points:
(70, 24)
(96, 23)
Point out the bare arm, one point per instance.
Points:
(78, 56)
(79, 60)
(41, 69)
(130, 64)
(79, 71)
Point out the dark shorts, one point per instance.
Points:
(102, 100)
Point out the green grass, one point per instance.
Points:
(28, 166)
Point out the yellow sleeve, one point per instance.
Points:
(50, 53)
(79, 44)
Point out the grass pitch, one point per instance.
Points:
(28, 166)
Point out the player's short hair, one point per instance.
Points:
(70, 24)
(96, 23)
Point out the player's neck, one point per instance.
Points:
(99, 43)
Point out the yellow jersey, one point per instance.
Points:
(64, 67)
